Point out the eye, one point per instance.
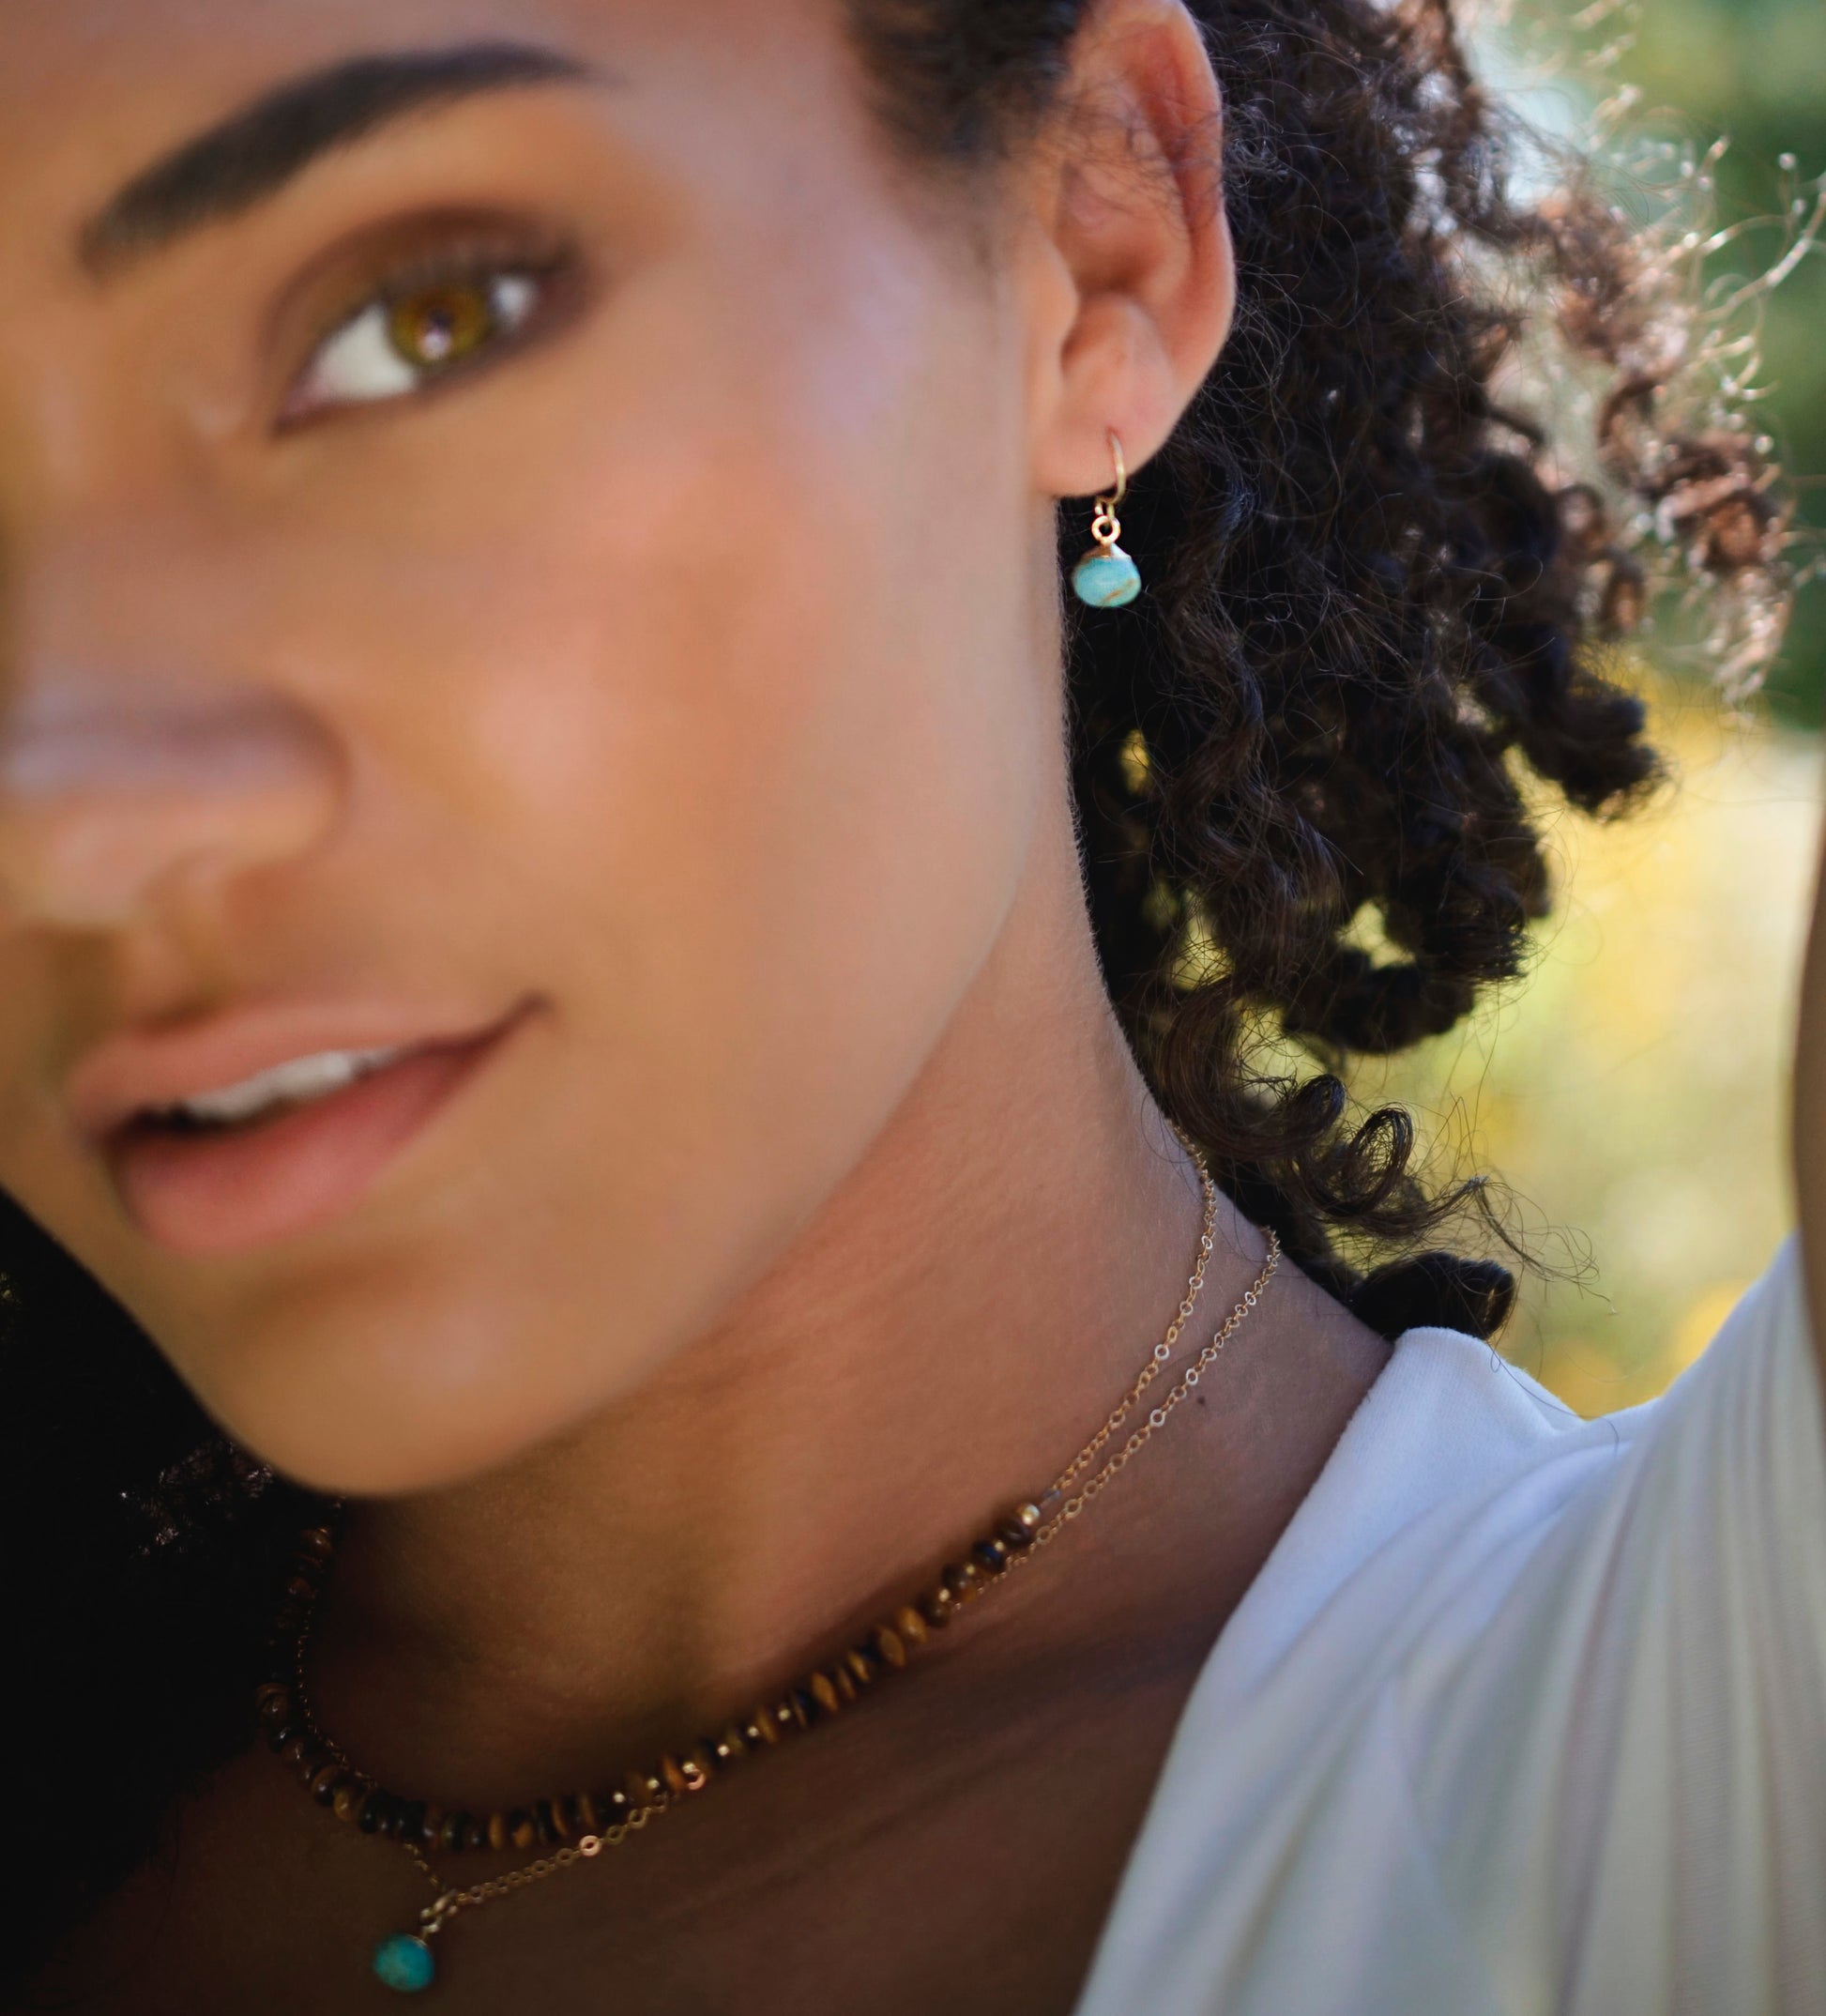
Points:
(419, 327)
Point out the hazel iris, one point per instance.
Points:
(433, 327)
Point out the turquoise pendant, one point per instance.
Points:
(405, 1964)
(1106, 578)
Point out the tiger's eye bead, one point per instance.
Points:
(911, 1627)
(861, 1665)
(939, 1606)
(520, 1830)
(273, 1699)
(415, 1828)
(686, 1774)
(644, 1789)
(965, 1580)
(295, 1750)
(374, 1811)
(761, 1729)
(323, 1787)
(286, 1732)
(431, 1825)
(497, 1831)
(476, 1837)
(455, 1838)
(318, 1540)
(558, 1817)
(824, 1692)
(794, 1712)
(847, 1690)
(888, 1642)
(991, 1556)
(730, 1745)
(395, 1819)
(351, 1795)
(1020, 1525)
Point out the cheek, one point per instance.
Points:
(777, 777)
(783, 741)
(42, 1004)
(736, 752)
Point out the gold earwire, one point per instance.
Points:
(1122, 472)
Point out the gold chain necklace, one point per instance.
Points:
(580, 1828)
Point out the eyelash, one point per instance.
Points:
(517, 283)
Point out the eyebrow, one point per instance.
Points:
(255, 152)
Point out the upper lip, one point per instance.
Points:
(150, 1071)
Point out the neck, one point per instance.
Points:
(933, 1348)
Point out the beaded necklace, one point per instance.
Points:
(568, 1830)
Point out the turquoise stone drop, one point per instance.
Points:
(1106, 579)
(405, 1964)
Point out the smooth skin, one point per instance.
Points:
(688, 671)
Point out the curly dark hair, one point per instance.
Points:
(1375, 604)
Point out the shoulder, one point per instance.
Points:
(1452, 1449)
(1523, 1697)
(1463, 1494)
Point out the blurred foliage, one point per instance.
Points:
(1754, 72)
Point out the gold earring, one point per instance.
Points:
(1106, 577)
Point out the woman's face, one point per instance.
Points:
(542, 602)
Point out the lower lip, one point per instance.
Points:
(206, 1195)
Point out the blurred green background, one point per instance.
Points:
(1756, 70)
(1632, 1093)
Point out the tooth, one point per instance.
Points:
(303, 1079)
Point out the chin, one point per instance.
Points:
(394, 1396)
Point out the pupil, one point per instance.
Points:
(439, 338)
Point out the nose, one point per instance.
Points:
(111, 793)
(147, 743)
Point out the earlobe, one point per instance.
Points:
(1130, 202)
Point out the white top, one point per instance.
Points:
(1524, 1713)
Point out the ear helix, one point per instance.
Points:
(1106, 577)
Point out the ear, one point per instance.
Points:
(1130, 268)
